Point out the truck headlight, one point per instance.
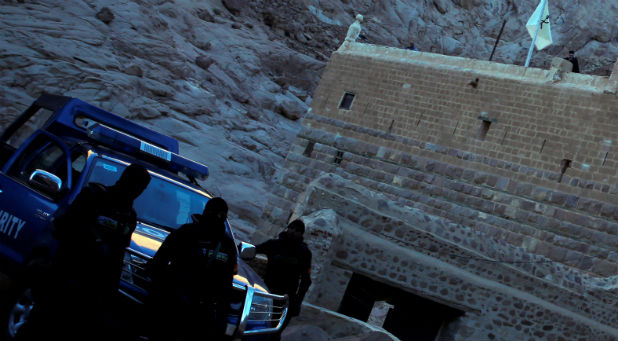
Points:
(127, 269)
(261, 308)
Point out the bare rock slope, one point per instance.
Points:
(230, 79)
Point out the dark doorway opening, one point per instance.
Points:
(411, 318)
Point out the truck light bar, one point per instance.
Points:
(155, 151)
(132, 145)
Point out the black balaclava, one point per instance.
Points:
(215, 212)
(132, 182)
(295, 230)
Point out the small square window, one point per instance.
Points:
(309, 149)
(338, 158)
(346, 101)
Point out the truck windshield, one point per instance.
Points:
(164, 203)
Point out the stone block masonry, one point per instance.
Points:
(486, 187)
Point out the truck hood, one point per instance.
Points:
(247, 276)
(147, 239)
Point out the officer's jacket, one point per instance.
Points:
(93, 233)
(289, 266)
(196, 263)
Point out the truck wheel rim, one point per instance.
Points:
(20, 312)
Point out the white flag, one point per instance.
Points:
(544, 38)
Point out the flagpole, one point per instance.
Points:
(536, 33)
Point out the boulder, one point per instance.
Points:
(292, 109)
(441, 6)
(134, 70)
(268, 18)
(561, 64)
(205, 15)
(204, 61)
(105, 15)
(234, 6)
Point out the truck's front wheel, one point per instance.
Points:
(19, 313)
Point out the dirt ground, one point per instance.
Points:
(313, 324)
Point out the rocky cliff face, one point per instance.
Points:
(230, 79)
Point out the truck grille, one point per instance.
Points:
(251, 311)
(260, 312)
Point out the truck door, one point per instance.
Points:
(25, 206)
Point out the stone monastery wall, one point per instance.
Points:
(486, 187)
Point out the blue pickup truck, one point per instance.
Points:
(59, 145)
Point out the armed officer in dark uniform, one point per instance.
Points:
(192, 274)
(85, 271)
(288, 271)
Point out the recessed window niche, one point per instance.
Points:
(346, 101)
(486, 122)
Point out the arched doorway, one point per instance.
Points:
(411, 317)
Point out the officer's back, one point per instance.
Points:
(192, 274)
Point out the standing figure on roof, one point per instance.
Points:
(355, 29)
(571, 58)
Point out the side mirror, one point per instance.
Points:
(45, 181)
(246, 251)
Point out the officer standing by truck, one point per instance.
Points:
(192, 275)
(288, 271)
(85, 271)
